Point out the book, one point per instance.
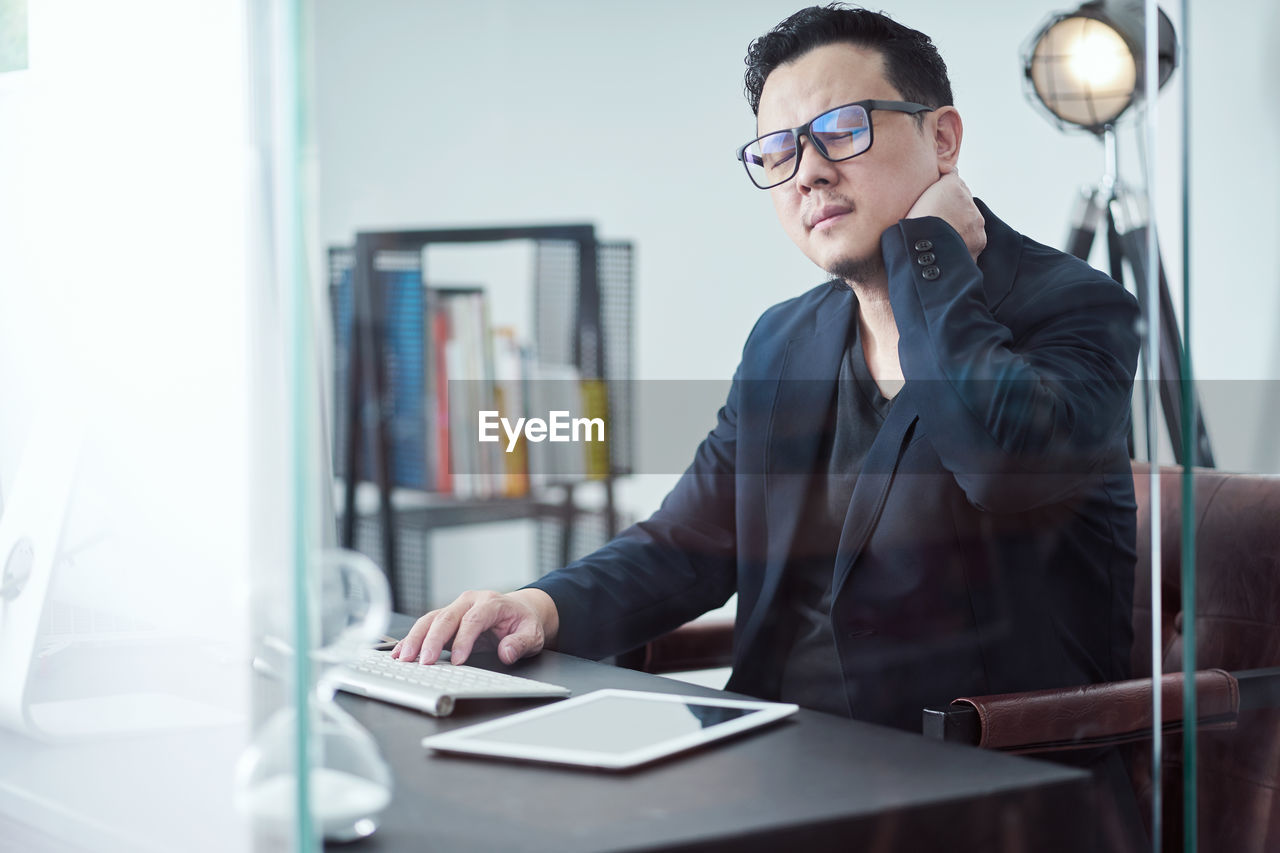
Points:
(510, 366)
(466, 353)
(403, 408)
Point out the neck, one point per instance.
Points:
(879, 338)
(875, 316)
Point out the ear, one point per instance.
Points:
(948, 130)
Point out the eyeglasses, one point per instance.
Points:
(838, 134)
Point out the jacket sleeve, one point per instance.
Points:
(1023, 408)
(660, 573)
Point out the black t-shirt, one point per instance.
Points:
(811, 674)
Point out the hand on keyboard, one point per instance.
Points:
(519, 624)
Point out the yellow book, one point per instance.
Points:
(595, 404)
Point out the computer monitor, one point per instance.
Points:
(31, 527)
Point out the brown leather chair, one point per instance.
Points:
(1237, 530)
(1237, 602)
(1237, 628)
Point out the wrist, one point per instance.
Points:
(545, 608)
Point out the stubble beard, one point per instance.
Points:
(855, 271)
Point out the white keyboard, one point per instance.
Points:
(433, 688)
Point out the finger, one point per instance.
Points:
(480, 618)
(441, 632)
(519, 644)
(407, 648)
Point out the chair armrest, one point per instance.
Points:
(701, 644)
(1082, 717)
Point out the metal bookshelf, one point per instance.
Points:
(582, 317)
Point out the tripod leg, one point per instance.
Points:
(1134, 244)
(1084, 224)
(1115, 261)
(1115, 251)
(1173, 353)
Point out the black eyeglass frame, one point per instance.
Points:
(806, 129)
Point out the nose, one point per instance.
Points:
(814, 170)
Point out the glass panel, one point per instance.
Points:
(129, 427)
(269, 786)
(1215, 551)
(1088, 69)
(401, 90)
(1196, 450)
(1227, 522)
(1161, 338)
(312, 773)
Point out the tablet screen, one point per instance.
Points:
(611, 728)
(614, 724)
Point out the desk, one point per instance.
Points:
(814, 782)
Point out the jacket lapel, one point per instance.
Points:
(801, 404)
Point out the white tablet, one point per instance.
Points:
(610, 729)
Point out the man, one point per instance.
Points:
(918, 486)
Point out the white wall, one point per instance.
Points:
(498, 111)
(567, 90)
(1235, 167)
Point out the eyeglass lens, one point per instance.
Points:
(839, 134)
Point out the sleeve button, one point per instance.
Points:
(925, 259)
(923, 245)
(930, 273)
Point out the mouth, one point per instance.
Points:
(827, 216)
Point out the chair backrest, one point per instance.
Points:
(1237, 627)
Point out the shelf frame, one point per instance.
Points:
(366, 370)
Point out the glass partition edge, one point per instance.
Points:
(1151, 85)
(1190, 452)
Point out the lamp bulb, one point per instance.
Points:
(1100, 59)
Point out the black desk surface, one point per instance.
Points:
(812, 782)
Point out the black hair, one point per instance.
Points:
(911, 61)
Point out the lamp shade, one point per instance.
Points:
(1086, 68)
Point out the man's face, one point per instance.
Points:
(836, 212)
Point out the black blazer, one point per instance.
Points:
(989, 543)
